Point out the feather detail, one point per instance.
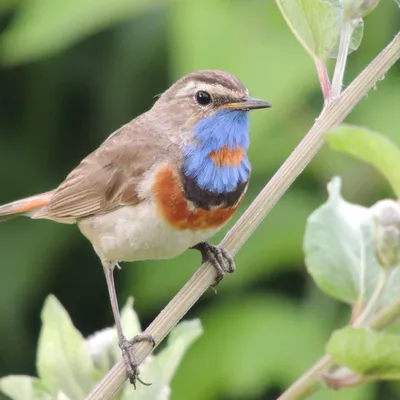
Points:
(110, 177)
(28, 206)
(217, 159)
(176, 210)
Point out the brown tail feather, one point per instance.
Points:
(27, 206)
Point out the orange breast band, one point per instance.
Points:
(173, 206)
(226, 157)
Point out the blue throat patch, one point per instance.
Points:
(225, 128)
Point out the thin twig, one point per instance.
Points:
(386, 317)
(333, 114)
(309, 382)
(313, 375)
(379, 291)
(324, 80)
(346, 32)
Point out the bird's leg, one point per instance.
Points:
(220, 258)
(124, 344)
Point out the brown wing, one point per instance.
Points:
(109, 177)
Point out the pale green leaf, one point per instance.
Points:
(43, 27)
(315, 23)
(130, 325)
(63, 360)
(356, 37)
(354, 9)
(393, 288)
(339, 248)
(340, 251)
(159, 370)
(355, 40)
(62, 396)
(371, 147)
(103, 345)
(397, 2)
(130, 320)
(21, 387)
(367, 352)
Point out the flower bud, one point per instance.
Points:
(354, 9)
(387, 232)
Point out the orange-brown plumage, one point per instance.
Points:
(226, 157)
(27, 206)
(173, 206)
(33, 204)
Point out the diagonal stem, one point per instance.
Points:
(333, 114)
(345, 37)
(324, 80)
(310, 381)
(372, 304)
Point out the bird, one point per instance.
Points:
(163, 183)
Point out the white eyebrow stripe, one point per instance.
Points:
(193, 86)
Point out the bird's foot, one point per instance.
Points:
(220, 258)
(132, 367)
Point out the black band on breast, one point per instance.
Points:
(205, 199)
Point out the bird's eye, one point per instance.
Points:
(203, 98)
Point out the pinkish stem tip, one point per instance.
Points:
(324, 80)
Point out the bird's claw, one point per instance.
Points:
(143, 337)
(220, 258)
(130, 362)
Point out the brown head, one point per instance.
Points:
(201, 94)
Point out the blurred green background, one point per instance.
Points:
(74, 71)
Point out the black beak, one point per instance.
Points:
(248, 103)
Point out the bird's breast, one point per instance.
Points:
(184, 205)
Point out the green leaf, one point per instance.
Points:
(44, 27)
(228, 361)
(62, 396)
(397, 2)
(367, 352)
(392, 289)
(103, 345)
(130, 325)
(340, 251)
(338, 247)
(20, 387)
(355, 40)
(354, 9)
(160, 369)
(371, 147)
(315, 23)
(63, 360)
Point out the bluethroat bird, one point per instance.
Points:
(161, 184)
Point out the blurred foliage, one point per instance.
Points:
(316, 24)
(340, 251)
(374, 354)
(69, 366)
(370, 147)
(73, 72)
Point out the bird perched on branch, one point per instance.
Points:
(161, 184)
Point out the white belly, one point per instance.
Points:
(138, 233)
